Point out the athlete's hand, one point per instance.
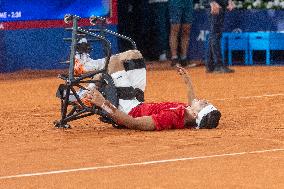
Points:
(96, 98)
(183, 73)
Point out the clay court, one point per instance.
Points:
(245, 151)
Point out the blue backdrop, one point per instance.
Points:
(32, 32)
(39, 48)
(16, 10)
(44, 48)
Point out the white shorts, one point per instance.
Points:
(135, 78)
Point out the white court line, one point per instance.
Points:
(134, 164)
(250, 97)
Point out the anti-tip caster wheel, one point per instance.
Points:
(58, 124)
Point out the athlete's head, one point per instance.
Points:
(205, 114)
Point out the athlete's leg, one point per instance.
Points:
(117, 61)
(135, 78)
(84, 64)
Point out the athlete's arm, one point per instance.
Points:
(188, 82)
(144, 123)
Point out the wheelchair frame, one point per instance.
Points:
(80, 110)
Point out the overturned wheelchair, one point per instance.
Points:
(81, 78)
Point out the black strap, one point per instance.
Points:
(134, 64)
(128, 93)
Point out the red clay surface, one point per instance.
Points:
(251, 101)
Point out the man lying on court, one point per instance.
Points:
(134, 114)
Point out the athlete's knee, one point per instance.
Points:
(130, 54)
(117, 61)
(135, 54)
(115, 64)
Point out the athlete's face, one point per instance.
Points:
(198, 105)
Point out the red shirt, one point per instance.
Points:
(166, 115)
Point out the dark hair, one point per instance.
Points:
(211, 120)
(191, 124)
